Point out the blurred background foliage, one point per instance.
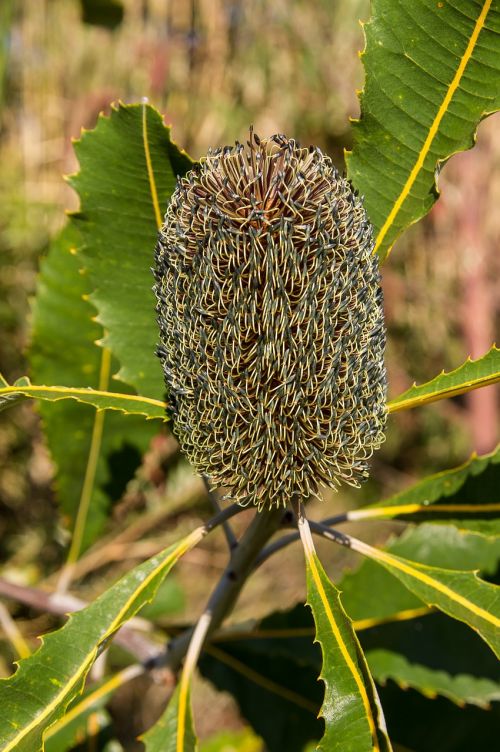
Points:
(213, 67)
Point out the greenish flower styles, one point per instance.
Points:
(271, 323)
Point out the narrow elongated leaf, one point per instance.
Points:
(131, 404)
(350, 707)
(165, 735)
(44, 684)
(461, 689)
(128, 168)
(432, 71)
(459, 594)
(371, 594)
(433, 654)
(472, 374)
(458, 485)
(175, 731)
(468, 495)
(436, 642)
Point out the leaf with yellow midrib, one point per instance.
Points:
(475, 485)
(128, 170)
(72, 376)
(165, 735)
(473, 374)
(432, 72)
(350, 707)
(460, 594)
(131, 404)
(37, 695)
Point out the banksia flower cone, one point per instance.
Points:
(271, 323)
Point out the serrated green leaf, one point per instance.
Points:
(432, 71)
(433, 654)
(72, 726)
(84, 444)
(164, 735)
(75, 731)
(131, 404)
(350, 707)
(441, 644)
(420, 724)
(64, 349)
(461, 689)
(128, 169)
(460, 594)
(468, 496)
(436, 641)
(371, 594)
(37, 695)
(447, 547)
(472, 374)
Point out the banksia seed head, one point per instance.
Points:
(271, 323)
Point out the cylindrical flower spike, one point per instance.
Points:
(271, 322)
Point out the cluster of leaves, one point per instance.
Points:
(432, 72)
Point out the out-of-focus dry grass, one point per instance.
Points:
(213, 67)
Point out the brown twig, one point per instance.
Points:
(62, 604)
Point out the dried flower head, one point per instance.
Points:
(271, 323)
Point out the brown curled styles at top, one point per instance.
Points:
(271, 322)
